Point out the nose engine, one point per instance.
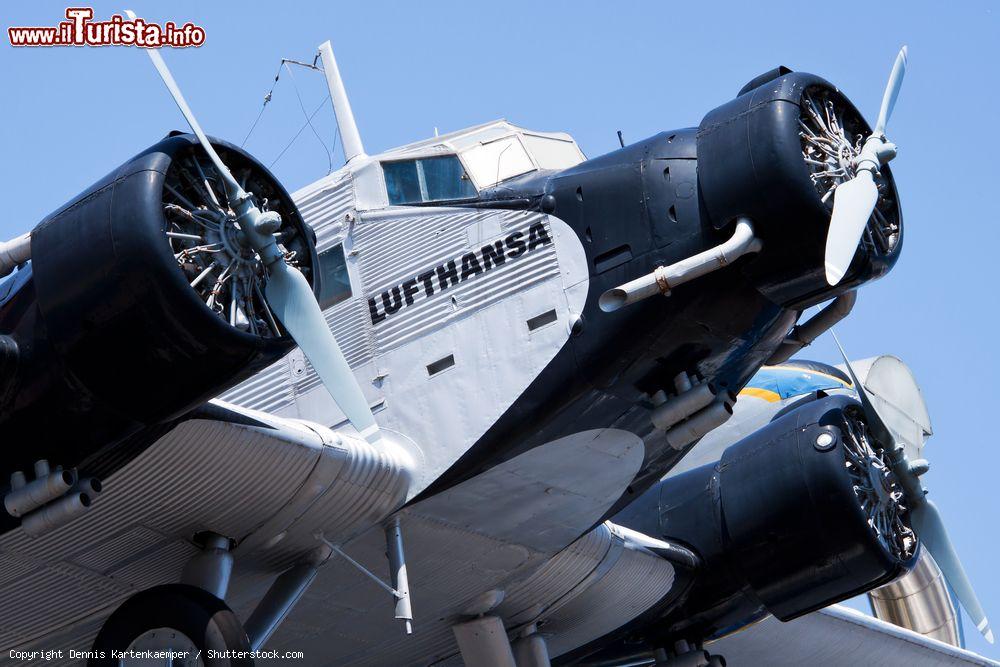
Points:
(776, 154)
(772, 157)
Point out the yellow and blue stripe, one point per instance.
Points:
(775, 383)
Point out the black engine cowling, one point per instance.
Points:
(111, 336)
(764, 154)
(778, 523)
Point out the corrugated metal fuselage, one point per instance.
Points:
(534, 358)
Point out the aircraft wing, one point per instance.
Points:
(838, 636)
(271, 483)
(495, 543)
(268, 482)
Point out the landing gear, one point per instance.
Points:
(194, 625)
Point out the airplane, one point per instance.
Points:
(240, 409)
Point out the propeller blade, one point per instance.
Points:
(291, 298)
(287, 291)
(926, 520)
(891, 91)
(924, 517)
(235, 191)
(875, 421)
(853, 203)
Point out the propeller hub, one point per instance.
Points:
(286, 295)
(883, 482)
(855, 214)
(843, 158)
(237, 245)
(213, 248)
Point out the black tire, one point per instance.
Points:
(199, 615)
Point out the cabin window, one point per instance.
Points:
(426, 180)
(335, 283)
(539, 321)
(440, 365)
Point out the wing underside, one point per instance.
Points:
(838, 637)
(268, 483)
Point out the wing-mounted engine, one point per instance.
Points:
(776, 154)
(801, 514)
(142, 300)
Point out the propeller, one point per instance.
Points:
(924, 515)
(854, 200)
(287, 291)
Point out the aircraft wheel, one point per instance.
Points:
(184, 619)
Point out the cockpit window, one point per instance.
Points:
(495, 161)
(427, 179)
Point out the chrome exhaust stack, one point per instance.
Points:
(664, 278)
(699, 424)
(802, 335)
(695, 410)
(53, 499)
(14, 252)
(91, 486)
(55, 514)
(25, 496)
(683, 406)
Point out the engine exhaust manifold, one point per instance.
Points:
(52, 499)
(700, 423)
(664, 278)
(55, 514)
(695, 410)
(25, 497)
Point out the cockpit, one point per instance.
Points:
(459, 165)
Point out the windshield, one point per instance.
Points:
(496, 161)
(427, 179)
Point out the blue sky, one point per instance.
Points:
(70, 115)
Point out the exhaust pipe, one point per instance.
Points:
(699, 424)
(91, 486)
(804, 334)
(55, 514)
(25, 497)
(14, 252)
(53, 499)
(664, 278)
(683, 406)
